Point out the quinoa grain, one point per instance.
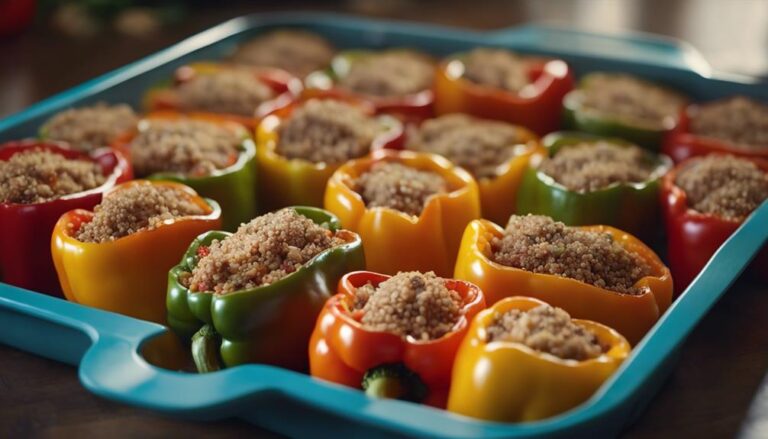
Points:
(233, 91)
(399, 187)
(391, 73)
(88, 128)
(497, 68)
(739, 120)
(295, 51)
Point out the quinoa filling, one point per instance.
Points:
(496, 68)
(393, 73)
(539, 244)
(37, 175)
(261, 252)
(134, 209)
(587, 167)
(399, 187)
(232, 91)
(297, 52)
(477, 145)
(410, 304)
(327, 131)
(739, 120)
(726, 186)
(546, 329)
(189, 147)
(88, 128)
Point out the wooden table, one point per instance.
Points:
(716, 389)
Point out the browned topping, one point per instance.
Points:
(297, 52)
(496, 68)
(399, 187)
(591, 166)
(477, 145)
(725, 186)
(739, 120)
(189, 147)
(136, 208)
(327, 131)
(546, 329)
(539, 244)
(261, 252)
(410, 304)
(392, 73)
(88, 128)
(629, 98)
(36, 176)
(233, 91)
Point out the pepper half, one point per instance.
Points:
(536, 107)
(128, 275)
(632, 207)
(631, 315)
(25, 229)
(342, 350)
(396, 241)
(234, 187)
(287, 182)
(693, 237)
(268, 324)
(504, 381)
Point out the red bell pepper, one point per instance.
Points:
(25, 229)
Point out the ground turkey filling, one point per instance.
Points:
(136, 208)
(739, 120)
(327, 131)
(628, 98)
(37, 176)
(189, 147)
(261, 252)
(725, 186)
(232, 91)
(91, 127)
(539, 244)
(399, 187)
(297, 52)
(546, 329)
(497, 68)
(477, 145)
(588, 167)
(410, 304)
(394, 73)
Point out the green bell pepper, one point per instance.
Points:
(268, 324)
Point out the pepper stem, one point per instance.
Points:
(205, 349)
(394, 381)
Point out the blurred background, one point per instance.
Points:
(47, 46)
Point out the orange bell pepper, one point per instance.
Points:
(395, 241)
(631, 315)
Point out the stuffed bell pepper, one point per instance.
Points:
(298, 52)
(253, 296)
(394, 336)
(409, 208)
(39, 181)
(499, 84)
(90, 127)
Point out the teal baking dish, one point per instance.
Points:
(112, 351)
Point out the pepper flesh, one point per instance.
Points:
(504, 381)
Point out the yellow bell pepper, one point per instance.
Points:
(631, 315)
(395, 241)
(128, 275)
(509, 382)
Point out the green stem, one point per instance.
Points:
(205, 349)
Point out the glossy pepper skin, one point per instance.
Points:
(681, 144)
(396, 241)
(269, 324)
(234, 187)
(127, 275)
(693, 237)
(288, 182)
(633, 207)
(410, 108)
(536, 107)
(285, 86)
(578, 118)
(504, 381)
(631, 315)
(25, 229)
(341, 349)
